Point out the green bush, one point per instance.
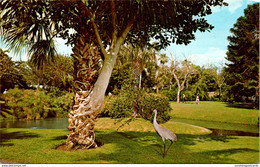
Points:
(171, 94)
(189, 96)
(151, 101)
(122, 105)
(35, 104)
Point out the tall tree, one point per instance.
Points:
(9, 72)
(220, 79)
(98, 25)
(58, 73)
(181, 71)
(243, 54)
(142, 58)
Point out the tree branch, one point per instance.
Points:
(113, 19)
(103, 50)
(128, 27)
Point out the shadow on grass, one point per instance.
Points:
(147, 147)
(241, 105)
(217, 155)
(63, 137)
(6, 136)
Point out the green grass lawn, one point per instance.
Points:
(137, 141)
(214, 111)
(136, 145)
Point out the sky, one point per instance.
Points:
(209, 48)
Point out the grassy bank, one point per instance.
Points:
(215, 111)
(133, 143)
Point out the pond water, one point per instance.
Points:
(49, 123)
(217, 128)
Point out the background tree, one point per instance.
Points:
(163, 59)
(58, 73)
(10, 72)
(243, 55)
(163, 74)
(98, 25)
(163, 78)
(181, 71)
(143, 58)
(202, 82)
(220, 79)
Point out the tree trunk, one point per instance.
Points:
(219, 93)
(89, 99)
(140, 81)
(157, 87)
(178, 95)
(90, 89)
(82, 115)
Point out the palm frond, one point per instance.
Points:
(42, 52)
(27, 26)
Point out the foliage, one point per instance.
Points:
(58, 73)
(171, 94)
(35, 24)
(199, 89)
(122, 105)
(31, 104)
(10, 72)
(163, 78)
(134, 63)
(242, 71)
(181, 71)
(151, 101)
(25, 74)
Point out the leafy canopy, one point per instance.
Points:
(35, 24)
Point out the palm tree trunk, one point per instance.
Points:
(90, 87)
(83, 115)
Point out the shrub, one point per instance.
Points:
(151, 101)
(189, 96)
(171, 94)
(122, 105)
(31, 104)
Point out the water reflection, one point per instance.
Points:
(49, 123)
(223, 132)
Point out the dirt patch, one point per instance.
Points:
(65, 147)
(7, 162)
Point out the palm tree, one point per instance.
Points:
(30, 24)
(163, 59)
(142, 58)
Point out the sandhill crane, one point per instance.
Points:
(164, 133)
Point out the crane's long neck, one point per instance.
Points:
(154, 119)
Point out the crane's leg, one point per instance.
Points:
(169, 147)
(163, 149)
